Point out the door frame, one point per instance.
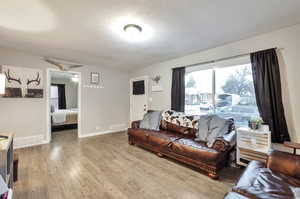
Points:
(48, 136)
(146, 79)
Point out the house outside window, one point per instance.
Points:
(225, 91)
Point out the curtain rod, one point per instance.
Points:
(222, 59)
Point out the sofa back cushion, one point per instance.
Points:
(285, 163)
(168, 126)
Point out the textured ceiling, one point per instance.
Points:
(83, 31)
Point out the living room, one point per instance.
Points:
(152, 77)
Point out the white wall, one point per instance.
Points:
(71, 90)
(105, 109)
(287, 38)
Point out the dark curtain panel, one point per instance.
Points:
(266, 77)
(178, 89)
(61, 96)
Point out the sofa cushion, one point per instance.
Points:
(163, 139)
(260, 182)
(168, 126)
(155, 138)
(195, 150)
(151, 120)
(291, 164)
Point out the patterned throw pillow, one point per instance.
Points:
(180, 119)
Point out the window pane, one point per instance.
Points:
(198, 92)
(54, 92)
(235, 95)
(54, 97)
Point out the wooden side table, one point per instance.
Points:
(292, 145)
(252, 145)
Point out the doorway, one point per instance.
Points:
(63, 104)
(138, 98)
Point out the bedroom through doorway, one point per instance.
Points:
(63, 104)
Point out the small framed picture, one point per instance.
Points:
(95, 78)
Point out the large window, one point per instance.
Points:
(226, 91)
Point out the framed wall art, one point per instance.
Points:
(95, 78)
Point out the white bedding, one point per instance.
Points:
(59, 116)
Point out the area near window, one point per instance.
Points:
(226, 91)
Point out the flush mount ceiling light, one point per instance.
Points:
(132, 29)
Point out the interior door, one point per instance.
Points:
(138, 98)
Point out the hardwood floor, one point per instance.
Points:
(106, 167)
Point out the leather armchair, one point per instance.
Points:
(271, 181)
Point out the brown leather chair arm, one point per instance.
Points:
(285, 163)
(226, 142)
(135, 124)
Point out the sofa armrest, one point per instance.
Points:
(226, 142)
(135, 124)
(285, 163)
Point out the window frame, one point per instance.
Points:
(245, 60)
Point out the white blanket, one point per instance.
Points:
(59, 116)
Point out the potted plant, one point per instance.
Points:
(255, 122)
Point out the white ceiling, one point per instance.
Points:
(82, 30)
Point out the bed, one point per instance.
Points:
(64, 119)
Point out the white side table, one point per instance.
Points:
(252, 145)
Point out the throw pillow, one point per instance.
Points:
(203, 126)
(151, 121)
(218, 127)
(211, 127)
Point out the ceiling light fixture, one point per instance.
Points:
(132, 29)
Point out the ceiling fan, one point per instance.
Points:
(63, 65)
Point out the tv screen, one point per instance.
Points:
(138, 87)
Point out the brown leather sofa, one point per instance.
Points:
(271, 181)
(178, 143)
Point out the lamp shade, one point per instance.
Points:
(2, 84)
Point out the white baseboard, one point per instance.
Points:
(101, 133)
(22, 142)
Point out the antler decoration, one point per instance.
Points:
(37, 80)
(9, 78)
(156, 79)
(61, 66)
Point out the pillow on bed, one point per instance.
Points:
(151, 121)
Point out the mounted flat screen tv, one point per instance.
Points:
(138, 87)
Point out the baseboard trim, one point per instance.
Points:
(101, 133)
(29, 141)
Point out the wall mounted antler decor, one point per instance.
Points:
(9, 78)
(23, 82)
(37, 81)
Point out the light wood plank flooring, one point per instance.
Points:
(106, 167)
